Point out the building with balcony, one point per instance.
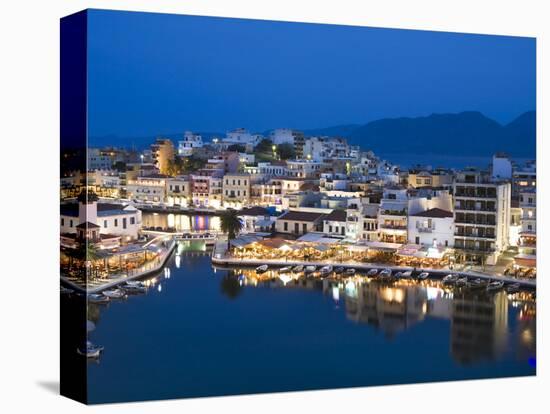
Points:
(429, 178)
(482, 216)
(392, 216)
(335, 223)
(150, 188)
(434, 227)
(236, 190)
(178, 191)
(189, 144)
(527, 246)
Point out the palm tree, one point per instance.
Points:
(231, 224)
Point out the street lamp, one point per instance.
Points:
(141, 156)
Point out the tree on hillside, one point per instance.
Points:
(286, 151)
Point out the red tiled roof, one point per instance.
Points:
(434, 213)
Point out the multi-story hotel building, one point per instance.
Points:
(189, 143)
(482, 216)
(162, 153)
(236, 190)
(392, 216)
(178, 191)
(527, 247)
(149, 188)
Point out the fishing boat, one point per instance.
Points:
(90, 350)
(97, 298)
(286, 269)
(350, 271)
(423, 276)
(262, 269)
(372, 272)
(65, 290)
(339, 270)
(114, 293)
(494, 286)
(513, 288)
(310, 269)
(398, 275)
(298, 269)
(325, 270)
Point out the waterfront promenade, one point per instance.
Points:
(220, 259)
(115, 280)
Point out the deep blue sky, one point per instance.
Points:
(156, 73)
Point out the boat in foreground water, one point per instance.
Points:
(310, 269)
(90, 350)
(114, 293)
(298, 269)
(423, 276)
(325, 270)
(97, 298)
(135, 283)
(372, 272)
(286, 269)
(462, 281)
(495, 286)
(406, 275)
(135, 289)
(339, 270)
(476, 284)
(350, 272)
(262, 269)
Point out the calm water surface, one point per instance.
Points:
(200, 332)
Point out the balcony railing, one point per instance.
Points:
(394, 212)
(393, 227)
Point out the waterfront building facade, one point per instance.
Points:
(236, 190)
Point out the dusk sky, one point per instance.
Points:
(151, 74)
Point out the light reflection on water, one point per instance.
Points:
(383, 333)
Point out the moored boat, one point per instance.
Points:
(450, 279)
(423, 276)
(406, 275)
(286, 269)
(339, 270)
(65, 290)
(494, 286)
(97, 298)
(513, 288)
(462, 281)
(310, 269)
(385, 274)
(350, 271)
(90, 350)
(325, 270)
(135, 289)
(262, 269)
(476, 284)
(298, 269)
(372, 272)
(135, 283)
(114, 293)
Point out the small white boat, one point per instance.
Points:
(97, 298)
(298, 269)
(135, 283)
(339, 270)
(286, 269)
(90, 350)
(262, 269)
(450, 278)
(114, 293)
(65, 290)
(325, 270)
(372, 272)
(398, 275)
(406, 275)
(310, 269)
(350, 272)
(423, 276)
(494, 286)
(386, 273)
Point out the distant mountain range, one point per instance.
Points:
(461, 134)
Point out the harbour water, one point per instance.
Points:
(200, 331)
